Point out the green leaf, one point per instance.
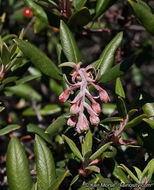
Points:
(88, 140)
(138, 172)
(74, 179)
(25, 91)
(112, 119)
(57, 126)
(130, 173)
(111, 153)
(2, 108)
(121, 107)
(48, 109)
(55, 87)
(77, 4)
(79, 18)
(149, 122)
(107, 56)
(99, 151)
(5, 54)
(56, 183)
(87, 143)
(143, 14)
(32, 128)
(119, 174)
(37, 10)
(102, 6)
(8, 129)
(69, 45)
(148, 170)
(134, 122)
(27, 79)
(148, 109)
(132, 112)
(45, 165)
(38, 26)
(73, 147)
(18, 173)
(39, 59)
(117, 71)
(93, 168)
(119, 88)
(108, 108)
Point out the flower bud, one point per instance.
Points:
(96, 107)
(103, 96)
(94, 120)
(72, 121)
(74, 109)
(82, 124)
(64, 96)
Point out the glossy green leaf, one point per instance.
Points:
(148, 109)
(48, 109)
(8, 129)
(121, 107)
(93, 168)
(18, 173)
(25, 91)
(88, 140)
(108, 108)
(107, 56)
(38, 26)
(32, 128)
(111, 153)
(99, 151)
(55, 87)
(132, 112)
(39, 59)
(78, 3)
(112, 119)
(149, 122)
(2, 108)
(74, 179)
(119, 88)
(102, 6)
(130, 173)
(56, 183)
(79, 18)
(45, 165)
(148, 170)
(57, 126)
(37, 10)
(117, 71)
(5, 54)
(87, 143)
(143, 14)
(69, 45)
(119, 174)
(138, 172)
(73, 147)
(134, 122)
(27, 79)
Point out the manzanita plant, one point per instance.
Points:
(79, 121)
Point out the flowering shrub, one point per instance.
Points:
(51, 100)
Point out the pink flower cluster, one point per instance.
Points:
(82, 78)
